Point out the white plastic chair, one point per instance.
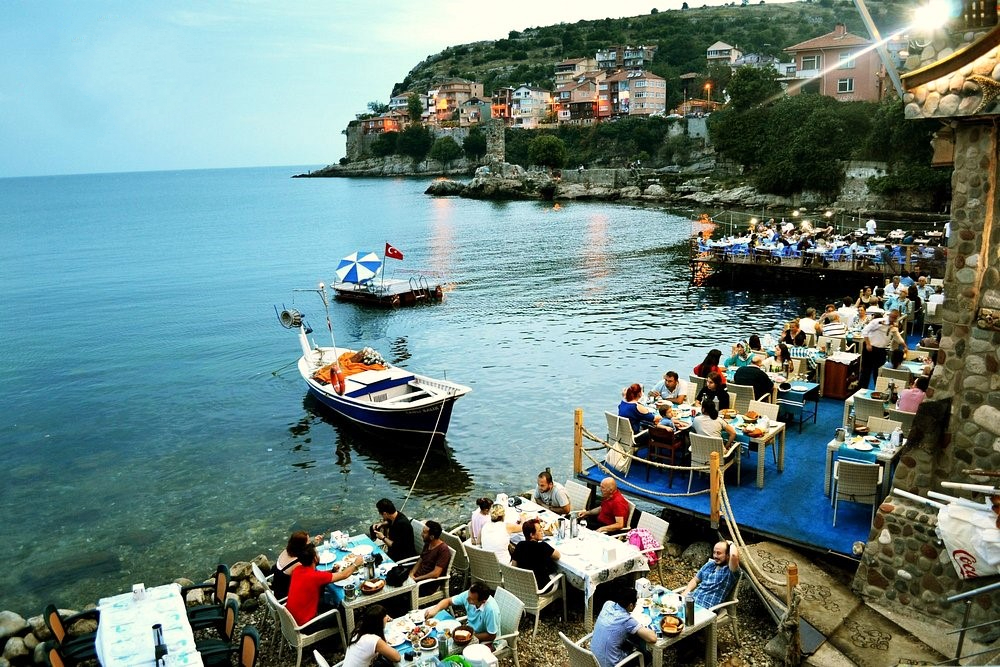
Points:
(301, 636)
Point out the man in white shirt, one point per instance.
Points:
(892, 288)
(877, 336)
(808, 323)
(870, 227)
(847, 312)
(672, 389)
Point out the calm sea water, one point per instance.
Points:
(152, 425)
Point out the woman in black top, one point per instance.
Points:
(713, 389)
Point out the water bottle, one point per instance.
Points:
(896, 438)
(689, 609)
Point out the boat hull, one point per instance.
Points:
(368, 407)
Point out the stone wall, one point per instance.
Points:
(958, 427)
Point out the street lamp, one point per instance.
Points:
(708, 90)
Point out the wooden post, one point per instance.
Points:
(792, 576)
(577, 441)
(713, 462)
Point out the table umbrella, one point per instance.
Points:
(359, 267)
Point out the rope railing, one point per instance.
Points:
(748, 559)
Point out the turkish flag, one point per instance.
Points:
(392, 252)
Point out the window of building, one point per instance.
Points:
(811, 62)
(845, 85)
(846, 61)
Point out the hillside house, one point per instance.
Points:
(724, 54)
(625, 57)
(531, 106)
(450, 95)
(836, 65)
(572, 69)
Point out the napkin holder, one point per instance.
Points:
(610, 554)
(643, 588)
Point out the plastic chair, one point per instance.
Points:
(581, 657)
(702, 447)
(216, 651)
(208, 615)
(484, 566)
(511, 612)
(741, 395)
(72, 649)
(695, 385)
(524, 586)
(249, 647)
(834, 343)
(579, 495)
(856, 482)
(904, 418)
(301, 636)
(265, 581)
(53, 658)
(460, 560)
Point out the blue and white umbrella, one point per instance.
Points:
(359, 267)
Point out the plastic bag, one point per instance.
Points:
(962, 531)
(617, 459)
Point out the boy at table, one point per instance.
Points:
(481, 610)
(716, 577)
(305, 590)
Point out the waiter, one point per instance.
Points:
(878, 336)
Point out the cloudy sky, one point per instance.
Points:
(97, 86)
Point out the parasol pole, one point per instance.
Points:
(383, 265)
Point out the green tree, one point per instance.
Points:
(444, 150)
(385, 144)
(414, 142)
(547, 151)
(414, 107)
(377, 107)
(475, 144)
(751, 86)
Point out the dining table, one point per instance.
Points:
(774, 435)
(398, 631)
(589, 559)
(125, 629)
(651, 614)
(333, 553)
(874, 448)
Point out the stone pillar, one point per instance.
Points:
(958, 427)
(496, 150)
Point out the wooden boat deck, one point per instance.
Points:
(391, 292)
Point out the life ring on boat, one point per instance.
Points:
(337, 380)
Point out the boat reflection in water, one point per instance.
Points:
(398, 461)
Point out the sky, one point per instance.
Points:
(91, 86)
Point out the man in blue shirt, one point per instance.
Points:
(481, 610)
(716, 577)
(615, 626)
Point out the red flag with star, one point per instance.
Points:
(392, 252)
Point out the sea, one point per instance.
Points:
(152, 422)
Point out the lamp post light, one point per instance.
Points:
(708, 91)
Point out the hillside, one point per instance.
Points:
(682, 38)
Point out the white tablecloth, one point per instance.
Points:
(125, 631)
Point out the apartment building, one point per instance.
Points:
(837, 65)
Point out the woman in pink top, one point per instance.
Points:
(910, 398)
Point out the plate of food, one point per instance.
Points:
(428, 644)
(667, 609)
(799, 387)
(463, 634)
(879, 395)
(402, 625)
(394, 638)
(672, 625)
(362, 550)
(862, 447)
(372, 586)
(728, 413)
(872, 439)
(416, 634)
(326, 557)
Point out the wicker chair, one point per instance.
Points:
(300, 636)
(511, 612)
(856, 482)
(898, 374)
(701, 449)
(882, 384)
(882, 425)
(265, 581)
(695, 385)
(725, 611)
(484, 566)
(864, 408)
(460, 561)
(741, 396)
(581, 657)
(579, 495)
(834, 343)
(658, 528)
(904, 418)
(769, 410)
(522, 584)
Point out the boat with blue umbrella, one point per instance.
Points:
(363, 388)
(362, 279)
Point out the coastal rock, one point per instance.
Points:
(241, 570)
(15, 649)
(445, 188)
(195, 596)
(697, 553)
(11, 624)
(39, 629)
